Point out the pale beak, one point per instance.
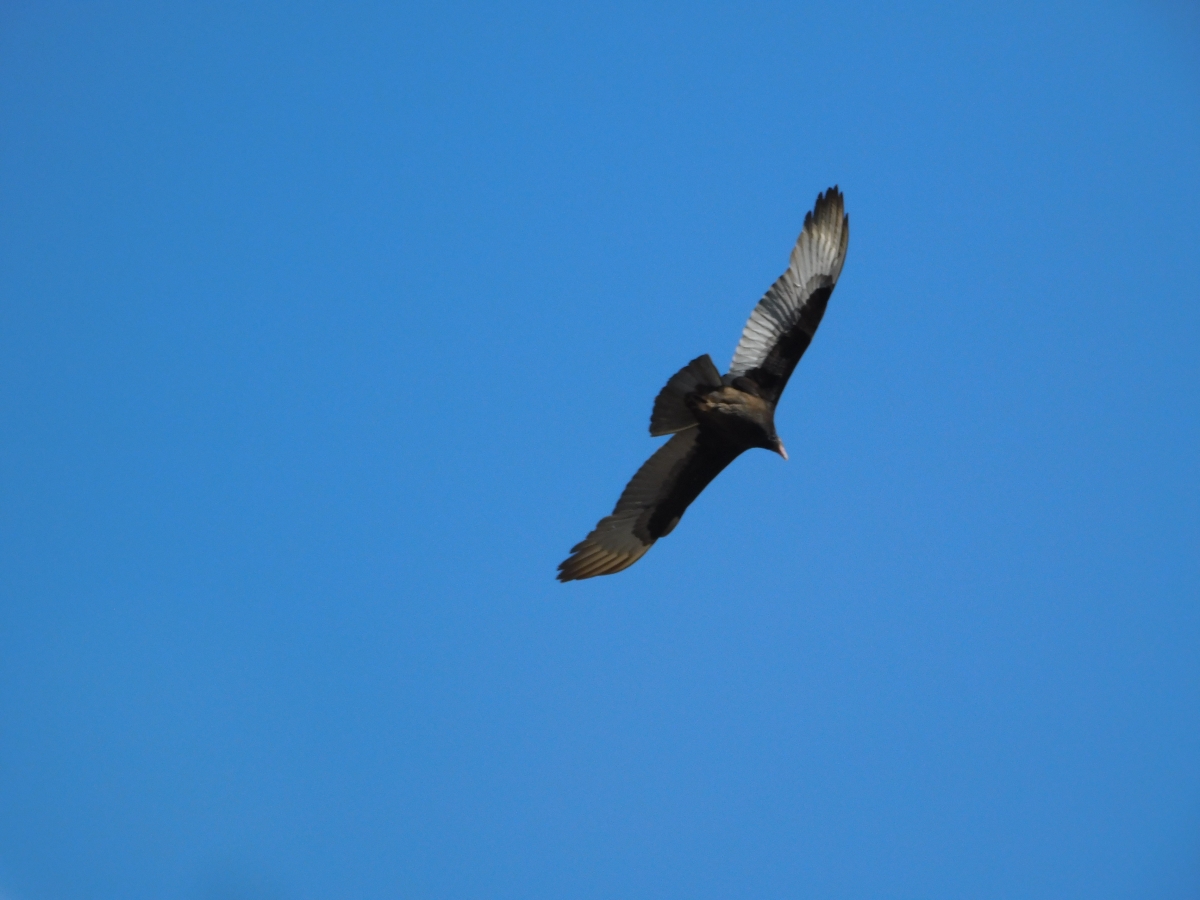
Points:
(780, 449)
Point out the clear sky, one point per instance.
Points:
(327, 329)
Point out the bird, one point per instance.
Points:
(714, 418)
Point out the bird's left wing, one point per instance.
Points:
(650, 506)
(786, 318)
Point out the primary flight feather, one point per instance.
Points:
(714, 418)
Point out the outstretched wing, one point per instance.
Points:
(650, 506)
(786, 318)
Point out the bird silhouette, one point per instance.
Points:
(714, 418)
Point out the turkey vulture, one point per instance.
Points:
(716, 417)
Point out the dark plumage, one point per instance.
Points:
(714, 417)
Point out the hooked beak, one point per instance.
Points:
(780, 449)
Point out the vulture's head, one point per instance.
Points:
(762, 429)
(767, 438)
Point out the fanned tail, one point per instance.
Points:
(671, 413)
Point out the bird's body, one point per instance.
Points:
(714, 418)
(736, 414)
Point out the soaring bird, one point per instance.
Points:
(715, 418)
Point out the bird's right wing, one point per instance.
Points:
(786, 318)
(650, 506)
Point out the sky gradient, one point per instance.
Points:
(327, 329)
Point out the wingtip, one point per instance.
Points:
(829, 206)
(830, 195)
(590, 558)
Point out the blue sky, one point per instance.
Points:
(328, 329)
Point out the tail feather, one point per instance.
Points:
(671, 413)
